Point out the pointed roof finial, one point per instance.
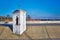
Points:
(19, 6)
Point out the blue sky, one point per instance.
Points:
(35, 8)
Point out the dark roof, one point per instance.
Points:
(16, 11)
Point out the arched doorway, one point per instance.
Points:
(16, 20)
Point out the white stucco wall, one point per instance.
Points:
(21, 27)
(33, 22)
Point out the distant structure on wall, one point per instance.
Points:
(19, 21)
(28, 17)
(5, 19)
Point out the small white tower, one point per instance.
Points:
(19, 21)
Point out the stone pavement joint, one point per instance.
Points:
(28, 36)
(2, 31)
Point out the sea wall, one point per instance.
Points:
(43, 22)
(33, 22)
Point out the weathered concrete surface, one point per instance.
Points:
(7, 34)
(53, 31)
(36, 32)
(32, 32)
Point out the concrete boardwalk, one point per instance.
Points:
(51, 32)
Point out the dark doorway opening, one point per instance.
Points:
(16, 20)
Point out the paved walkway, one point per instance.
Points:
(33, 33)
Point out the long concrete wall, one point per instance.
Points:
(34, 22)
(43, 22)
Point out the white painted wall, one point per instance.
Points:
(33, 22)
